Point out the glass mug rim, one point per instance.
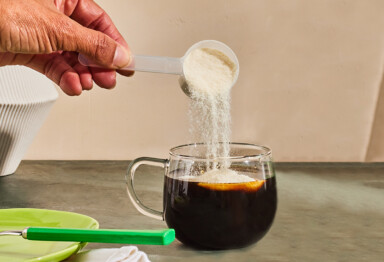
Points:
(263, 151)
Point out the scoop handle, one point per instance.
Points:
(144, 237)
(156, 64)
(144, 63)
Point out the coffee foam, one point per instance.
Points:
(219, 176)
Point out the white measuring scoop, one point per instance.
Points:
(173, 65)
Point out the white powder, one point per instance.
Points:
(219, 176)
(208, 72)
(209, 76)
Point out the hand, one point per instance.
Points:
(47, 35)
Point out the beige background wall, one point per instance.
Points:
(309, 87)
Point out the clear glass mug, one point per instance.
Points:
(214, 214)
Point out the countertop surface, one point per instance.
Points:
(326, 212)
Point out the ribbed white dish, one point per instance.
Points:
(25, 100)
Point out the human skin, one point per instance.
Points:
(48, 35)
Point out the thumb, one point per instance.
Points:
(97, 48)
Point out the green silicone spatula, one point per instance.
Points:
(141, 237)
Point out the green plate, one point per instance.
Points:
(16, 248)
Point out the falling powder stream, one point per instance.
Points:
(209, 75)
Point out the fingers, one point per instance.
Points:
(104, 78)
(83, 71)
(56, 68)
(71, 76)
(70, 83)
(85, 76)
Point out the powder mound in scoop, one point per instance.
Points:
(208, 72)
(219, 176)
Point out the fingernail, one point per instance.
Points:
(122, 57)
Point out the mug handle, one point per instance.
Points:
(131, 189)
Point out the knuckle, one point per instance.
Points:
(9, 36)
(5, 41)
(61, 34)
(103, 48)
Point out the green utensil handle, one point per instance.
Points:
(144, 237)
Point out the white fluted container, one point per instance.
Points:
(25, 100)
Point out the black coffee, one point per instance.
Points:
(219, 216)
